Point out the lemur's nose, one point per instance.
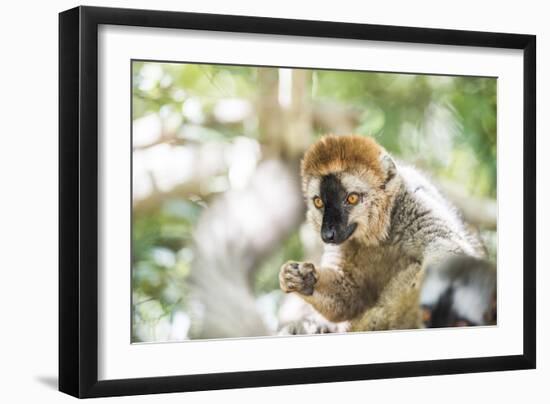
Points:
(328, 235)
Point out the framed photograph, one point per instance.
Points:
(251, 201)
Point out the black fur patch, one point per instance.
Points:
(335, 228)
(443, 314)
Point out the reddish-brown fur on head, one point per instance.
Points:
(332, 154)
(363, 167)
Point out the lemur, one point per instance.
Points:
(397, 255)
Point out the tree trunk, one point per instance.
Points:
(242, 227)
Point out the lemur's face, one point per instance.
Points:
(343, 205)
(349, 183)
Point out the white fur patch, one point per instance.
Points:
(353, 183)
(432, 289)
(313, 187)
(332, 257)
(470, 304)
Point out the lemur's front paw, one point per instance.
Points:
(298, 277)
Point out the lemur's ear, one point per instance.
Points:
(388, 167)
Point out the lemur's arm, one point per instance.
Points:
(330, 290)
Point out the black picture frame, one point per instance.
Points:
(78, 200)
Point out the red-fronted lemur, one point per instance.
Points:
(393, 244)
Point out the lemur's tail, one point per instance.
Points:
(459, 292)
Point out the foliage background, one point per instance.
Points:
(216, 201)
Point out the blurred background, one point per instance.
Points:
(217, 205)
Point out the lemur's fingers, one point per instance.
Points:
(298, 277)
(458, 292)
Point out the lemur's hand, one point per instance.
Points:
(298, 277)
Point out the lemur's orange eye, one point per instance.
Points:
(318, 202)
(352, 198)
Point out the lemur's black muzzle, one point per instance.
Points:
(332, 236)
(328, 235)
(335, 229)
